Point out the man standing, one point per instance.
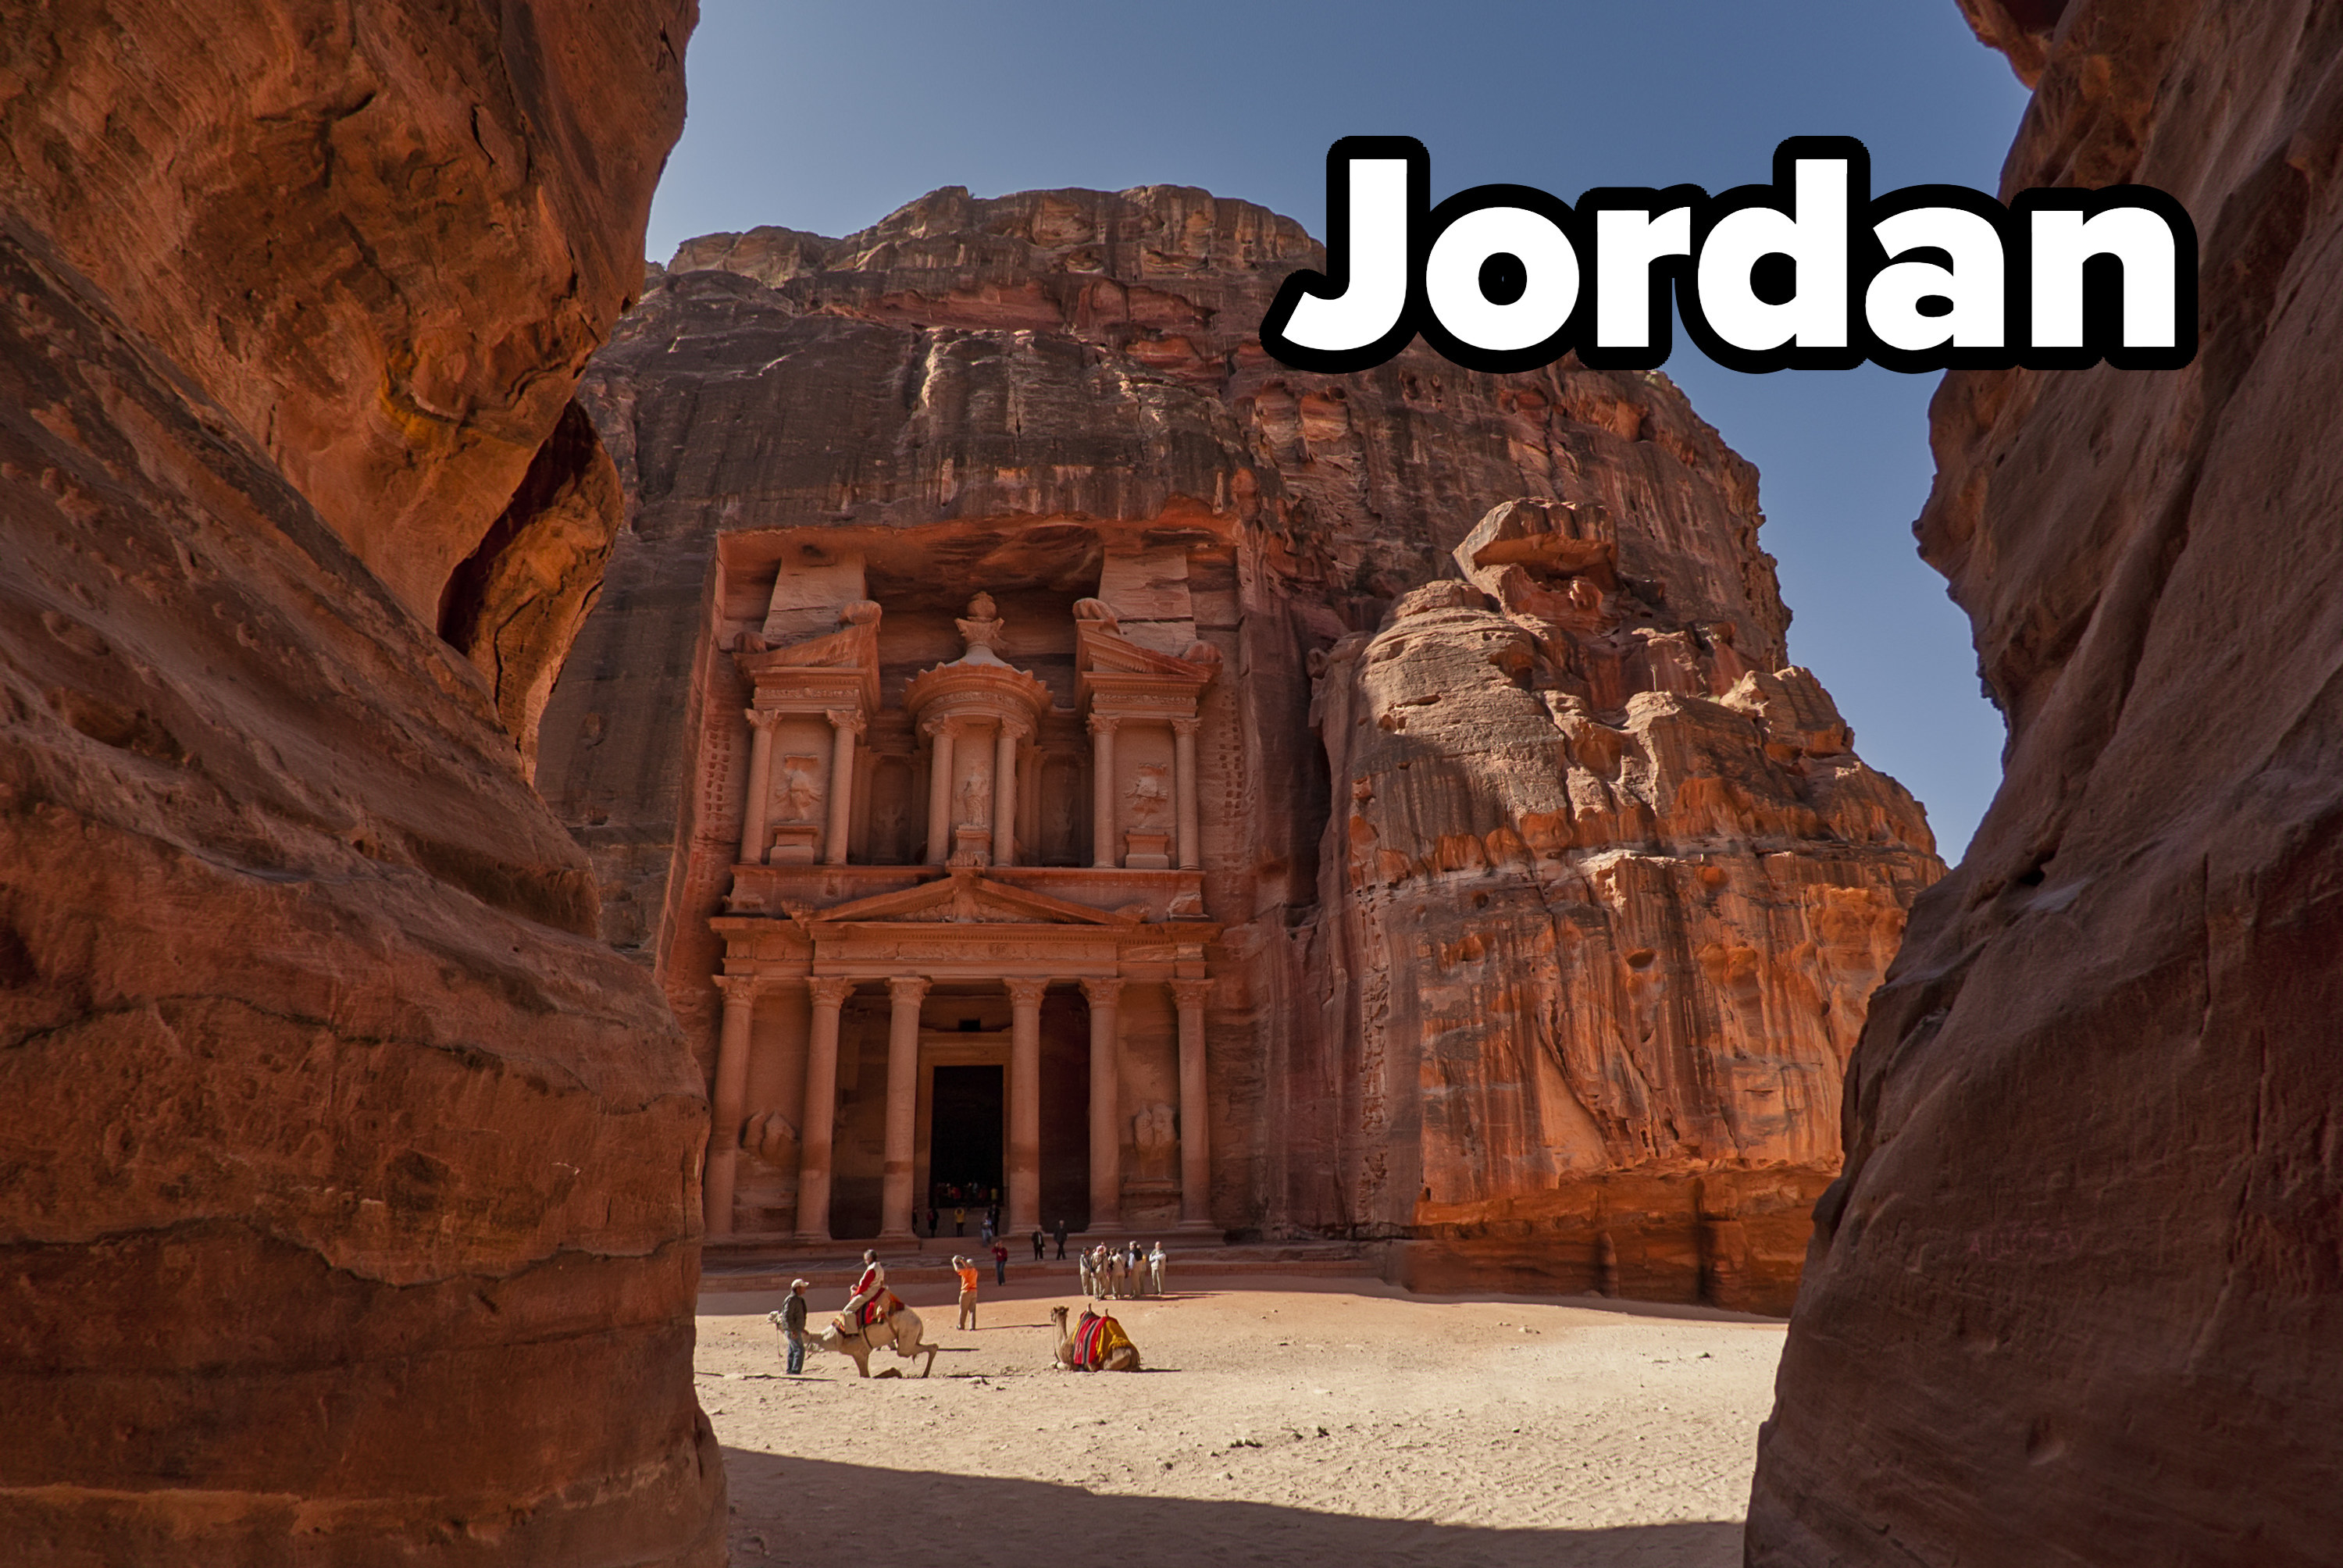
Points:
(793, 1319)
(1001, 1263)
(867, 1292)
(967, 1273)
(1040, 1247)
(1061, 1238)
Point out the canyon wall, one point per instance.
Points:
(2076, 1298)
(1633, 796)
(348, 1192)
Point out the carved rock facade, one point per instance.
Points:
(346, 1197)
(1057, 400)
(2075, 1297)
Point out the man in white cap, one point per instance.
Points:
(793, 1322)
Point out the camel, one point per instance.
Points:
(1124, 1357)
(899, 1331)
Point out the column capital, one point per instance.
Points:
(941, 724)
(1184, 723)
(909, 989)
(1025, 992)
(740, 987)
(1016, 729)
(847, 719)
(761, 718)
(1104, 723)
(1188, 993)
(1102, 993)
(829, 991)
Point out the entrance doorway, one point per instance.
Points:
(965, 1143)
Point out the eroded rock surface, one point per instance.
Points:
(347, 1205)
(1025, 388)
(1604, 909)
(2077, 1296)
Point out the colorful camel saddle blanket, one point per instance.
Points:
(883, 1305)
(1095, 1339)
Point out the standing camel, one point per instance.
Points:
(1101, 1346)
(899, 1330)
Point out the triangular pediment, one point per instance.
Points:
(964, 897)
(848, 647)
(1111, 653)
(812, 668)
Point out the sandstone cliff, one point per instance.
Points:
(1604, 909)
(1022, 384)
(345, 1196)
(2077, 1296)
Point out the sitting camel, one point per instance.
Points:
(899, 1330)
(1099, 1345)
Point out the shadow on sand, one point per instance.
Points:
(810, 1513)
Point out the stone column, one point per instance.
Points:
(1004, 793)
(940, 791)
(1183, 787)
(1025, 1105)
(844, 727)
(1195, 1125)
(1102, 845)
(760, 785)
(826, 994)
(906, 991)
(740, 993)
(1106, 1101)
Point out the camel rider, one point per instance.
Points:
(868, 1289)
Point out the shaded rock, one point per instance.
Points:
(2075, 1296)
(346, 1198)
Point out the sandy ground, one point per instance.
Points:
(1278, 1421)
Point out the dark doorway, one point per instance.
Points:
(964, 1147)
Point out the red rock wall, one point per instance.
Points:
(1603, 911)
(1016, 382)
(346, 1197)
(2076, 1297)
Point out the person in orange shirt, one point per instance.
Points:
(967, 1272)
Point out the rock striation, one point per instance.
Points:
(2072, 1299)
(1602, 910)
(1552, 765)
(346, 1196)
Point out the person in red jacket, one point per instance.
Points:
(872, 1285)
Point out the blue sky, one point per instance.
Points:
(828, 117)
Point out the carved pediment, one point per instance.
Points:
(852, 651)
(966, 897)
(1110, 664)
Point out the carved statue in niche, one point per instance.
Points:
(1061, 823)
(800, 789)
(1155, 1139)
(973, 799)
(1150, 794)
(771, 1138)
(890, 815)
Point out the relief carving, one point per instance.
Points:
(1150, 794)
